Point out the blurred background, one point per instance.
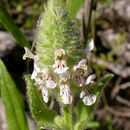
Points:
(111, 28)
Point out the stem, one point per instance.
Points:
(88, 7)
(67, 117)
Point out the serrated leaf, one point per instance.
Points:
(13, 102)
(85, 111)
(7, 21)
(74, 6)
(39, 110)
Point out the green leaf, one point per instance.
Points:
(85, 111)
(13, 103)
(9, 24)
(39, 110)
(101, 84)
(74, 6)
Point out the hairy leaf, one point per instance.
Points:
(40, 112)
(13, 103)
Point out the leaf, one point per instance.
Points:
(9, 24)
(85, 111)
(73, 6)
(100, 85)
(13, 103)
(40, 112)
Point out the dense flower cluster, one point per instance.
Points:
(59, 75)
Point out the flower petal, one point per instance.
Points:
(61, 70)
(34, 74)
(50, 84)
(82, 94)
(80, 65)
(36, 67)
(91, 45)
(45, 94)
(38, 80)
(82, 62)
(67, 99)
(28, 53)
(89, 48)
(90, 79)
(65, 93)
(40, 88)
(89, 99)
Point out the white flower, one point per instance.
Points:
(79, 79)
(60, 62)
(88, 99)
(82, 94)
(44, 94)
(65, 93)
(79, 70)
(60, 66)
(64, 88)
(90, 79)
(50, 84)
(38, 81)
(81, 65)
(34, 74)
(44, 78)
(89, 48)
(36, 70)
(28, 54)
(48, 76)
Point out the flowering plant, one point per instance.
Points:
(62, 89)
(61, 73)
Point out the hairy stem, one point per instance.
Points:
(67, 117)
